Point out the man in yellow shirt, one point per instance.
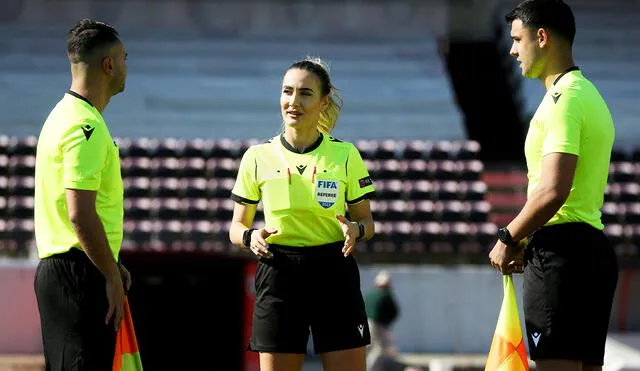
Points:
(79, 283)
(570, 269)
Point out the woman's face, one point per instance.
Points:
(301, 99)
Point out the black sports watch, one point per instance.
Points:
(505, 237)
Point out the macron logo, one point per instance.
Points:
(361, 329)
(536, 337)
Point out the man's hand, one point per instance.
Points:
(126, 278)
(115, 297)
(350, 231)
(507, 259)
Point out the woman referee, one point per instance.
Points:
(306, 280)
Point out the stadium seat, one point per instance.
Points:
(197, 148)
(632, 213)
(367, 148)
(22, 146)
(4, 165)
(22, 165)
(169, 147)
(473, 191)
(141, 147)
(21, 230)
(140, 231)
(20, 207)
(441, 150)
(621, 172)
(4, 186)
(417, 170)
(387, 150)
(486, 234)
(445, 170)
(467, 150)
(166, 187)
(167, 208)
(470, 170)
(226, 148)
(137, 208)
(137, 167)
(451, 211)
(629, 192)
(413, 150)
(222, 208)
(389, 189)
(390, 169)
(198, 231)
(615, 233)
(478, 211)
(421, 190)
(165, 167)
(382, 243)
(399, 210)
(447, 190)
(21, 186)
(195, 188)
(425, 210)
(193, 167)
(222, 168)
(137, 187)
(221, 188)
(170, 232)
(4, 144)
(197, 209)
(610, 213)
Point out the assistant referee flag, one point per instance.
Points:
(127, 357)
(508, 352)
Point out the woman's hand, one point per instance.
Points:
(351, 232)
(259, 245)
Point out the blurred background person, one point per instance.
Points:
(382, 311)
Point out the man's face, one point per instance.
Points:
(526, 49)
(118, 56)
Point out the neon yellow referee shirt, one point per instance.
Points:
(573, 118)
(75, 151)
(301, 193)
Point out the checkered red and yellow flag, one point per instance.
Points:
(508, 352)
(127, 357)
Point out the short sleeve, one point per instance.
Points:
(246, 189)
(562, 127)
(84, 155)
(360, 184)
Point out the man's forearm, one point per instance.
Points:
(94, 242)
(539, 208)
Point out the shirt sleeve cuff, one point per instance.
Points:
(367, 196)
(243, 200)
(561, 148)
(84, 185)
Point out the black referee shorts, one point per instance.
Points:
(570, 278)
(73, 305)
(308, 289)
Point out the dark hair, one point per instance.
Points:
(554, 15)
(328, 117)
(88, 36)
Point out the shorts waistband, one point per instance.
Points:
(74, 254)
(308, 250)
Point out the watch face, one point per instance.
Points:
(502, 235)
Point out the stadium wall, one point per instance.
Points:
(449, 309)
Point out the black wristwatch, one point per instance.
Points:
(505, 237)
(361, 231)
(246, 237)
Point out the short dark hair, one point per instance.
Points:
(554, 15)
(88, 36)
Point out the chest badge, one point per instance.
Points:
(326, 192)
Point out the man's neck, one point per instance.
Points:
(556, 68)
(93, 92)
(301, 139)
